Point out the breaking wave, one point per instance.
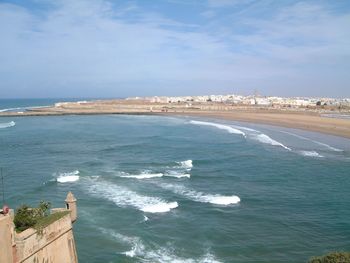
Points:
(311, 154)
(158, 254)
(201, 197)
(219, 126)
(186, 164)
(68, 177)
(143, 176)
(317, 142)
(263, 138)
(177, 174)
(124, 197)
(7, 124)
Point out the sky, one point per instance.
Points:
(115, 48)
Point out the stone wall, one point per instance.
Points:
(54, 244)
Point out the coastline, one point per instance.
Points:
(305, 119)
(330, 126)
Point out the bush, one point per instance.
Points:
(334, 257)
(27, 217)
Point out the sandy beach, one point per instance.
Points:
(305, 119)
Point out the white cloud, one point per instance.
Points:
(91, 48)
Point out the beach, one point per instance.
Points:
(306, 119)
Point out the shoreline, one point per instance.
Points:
(289, 118)
(323, 125)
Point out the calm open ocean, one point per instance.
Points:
(161, 189)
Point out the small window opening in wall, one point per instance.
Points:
(67, 205)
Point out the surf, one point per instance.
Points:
(185, 164)
(143, 176)
(316, 142)
(123, 197)
(311, 154)
(68, 177)
(193, 195)
(263, 138)
(7, 124)
(227, 128)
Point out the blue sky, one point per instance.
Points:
(101, 48)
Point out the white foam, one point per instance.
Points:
(68, 177)
(124, 197)
(186, 164)
(7, 124)
(177, 174)
(311, 154)
(10, 109)
(160, 254)
(317, 142)
(160, 208)
(245, 128)
(143, 176)
(23, 108)
(263, 138)
(201, 197)
(219, 126)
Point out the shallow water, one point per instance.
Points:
(158, 189)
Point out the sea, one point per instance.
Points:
(182, 189)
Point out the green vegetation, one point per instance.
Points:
(334, 257)
(37, 218)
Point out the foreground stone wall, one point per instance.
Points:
(6, 239)
(54, 244)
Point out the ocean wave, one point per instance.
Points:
(68, 177)
(158, 254)
(311, 154)
(245, 128)
(263, 138)
(219, 126)
(124, 197)
(166, 255)
(177, 174)
(201, 197)
(317, 142)
(11, 109)
(23, 108)
(143, 176)
(7, 124)
(186, 164)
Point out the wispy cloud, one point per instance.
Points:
(99, 48)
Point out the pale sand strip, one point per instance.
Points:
(332, 126)
(306, 120)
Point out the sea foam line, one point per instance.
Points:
(143, 176)
(23, 108)
(219, 126)
(201, 197)
(263, 138)
(317, 142)
(159, 254)
(124, 197)
(68, 177)
(177, 174)
(311, 154)
(7, 124)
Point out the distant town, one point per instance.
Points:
(251, 100)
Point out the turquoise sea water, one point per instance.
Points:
(161, 189)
